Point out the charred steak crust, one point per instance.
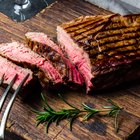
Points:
(21, 55)
(41, 44)
(107, 44)
(49, 53)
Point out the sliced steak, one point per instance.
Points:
(8, 69)
(24, 56)
(104, 48)
(43, 45)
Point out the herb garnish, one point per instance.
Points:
(49, 115)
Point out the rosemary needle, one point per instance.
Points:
(50, 115)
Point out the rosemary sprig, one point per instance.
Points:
(49, 115)
(114, 111)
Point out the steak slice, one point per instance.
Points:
(24, 56)
(8, 69)
(43, 45)
(106, 50)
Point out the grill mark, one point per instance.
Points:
(126, 48)
(115, 38)
(128, 20)
(86, 37)
(109, 45)
(118, 27)
(131, 20)
(83, 20)
(106, 34)
(110, 36)
(119, 54)
(111, 52)
(104, 50)
(114, 25)
(78, 21)
(120, 50)
(128, 55)
(89, 33)
(76, 29)
(134, 48)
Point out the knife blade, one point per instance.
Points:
(122, 7)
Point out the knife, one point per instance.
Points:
(122, 7)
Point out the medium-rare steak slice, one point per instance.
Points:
(43, 45)
(24, 56)
(8, 69)
(65, 34)
(104, 48)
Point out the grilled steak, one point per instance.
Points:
(41, 44)
(8, 69)
(24, 56)
(104, 48)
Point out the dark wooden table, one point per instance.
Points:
(22, 124)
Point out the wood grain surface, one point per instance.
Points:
(22, 124)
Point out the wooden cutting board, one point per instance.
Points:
(22, 124)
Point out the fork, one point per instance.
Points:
(9, 105)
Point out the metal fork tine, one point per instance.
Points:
(2, 79)
(6, 91)
(6, 113)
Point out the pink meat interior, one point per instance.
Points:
(20, 53)
(77, 56)
(42, 38)
(73, 74)
(8, 69)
